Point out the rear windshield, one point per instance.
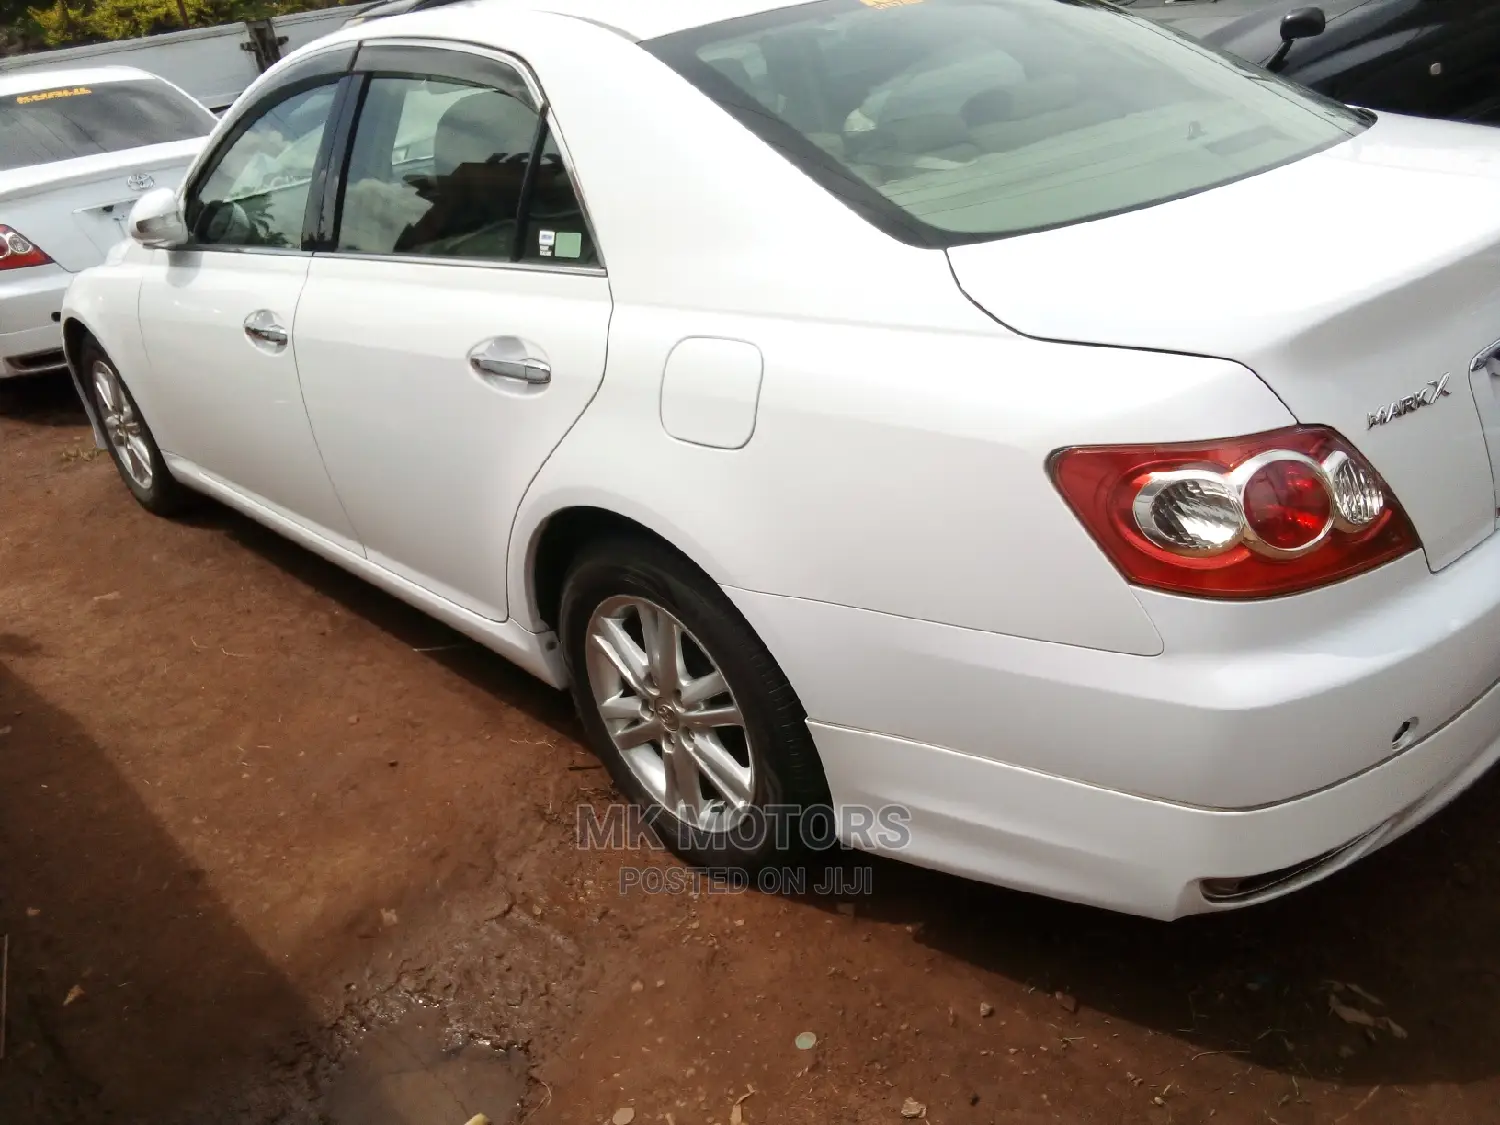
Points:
(950, 121)
(59, 123)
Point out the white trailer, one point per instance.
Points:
(214, 64)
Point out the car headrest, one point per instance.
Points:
(481, 126)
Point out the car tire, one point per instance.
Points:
(128, 438)
(756, 780)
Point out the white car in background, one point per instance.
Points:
(77, 149)
(1067, 451)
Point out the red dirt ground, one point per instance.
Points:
(251, 807)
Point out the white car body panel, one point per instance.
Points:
(892, 487)
(1223, 719)
(107, 304)
(29, 338)
(371, 380)
(887, 526)
(75, 210)
(236, 406)
(1001, 823)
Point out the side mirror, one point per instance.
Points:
(156, 220)
(1302, 23)
(1299, 23)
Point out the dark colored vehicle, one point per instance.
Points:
(1431, 58)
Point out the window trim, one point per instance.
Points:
(550, 120)
(329, 66)
(323, 224)
(443, 49)
(401, 58)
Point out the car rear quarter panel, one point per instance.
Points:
(898, 458)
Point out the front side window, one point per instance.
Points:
(256, 194)
(442, 168)
(953, 121)
(63, 122)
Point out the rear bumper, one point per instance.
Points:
(1264, 736)
(1023, 829)
(1250, 704)
(30, 338)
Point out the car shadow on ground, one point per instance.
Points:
(131, 992)
(1412, 926)
(481, 667)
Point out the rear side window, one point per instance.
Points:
(441, 168)
(63, 122)
(949, 121)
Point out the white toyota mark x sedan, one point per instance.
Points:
(1002, 412)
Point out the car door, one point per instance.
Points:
(218, 317)
(454, 325)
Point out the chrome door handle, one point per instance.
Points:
(525, 370)
(272, 334)
(262, 326)
(510, 357)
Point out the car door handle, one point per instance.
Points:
(262, 327)
(271, 333)
(510, 357)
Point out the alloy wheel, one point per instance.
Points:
(670, 713)
(122, 424)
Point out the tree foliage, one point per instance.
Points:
(69, 21)
(60, 23)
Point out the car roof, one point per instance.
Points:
(639, 19)
(43, 78)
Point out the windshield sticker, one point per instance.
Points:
(569, 244)
(48, 95)
(545, 240)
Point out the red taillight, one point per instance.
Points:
(1250, 517)
(1288, 505)
(16, 250)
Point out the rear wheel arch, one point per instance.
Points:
(563, 537)
(685, 705)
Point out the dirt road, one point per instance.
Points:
(251, 809)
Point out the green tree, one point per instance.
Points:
(64, 22)
(68, 21)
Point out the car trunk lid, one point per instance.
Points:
(75, 210)
(1360, 284)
